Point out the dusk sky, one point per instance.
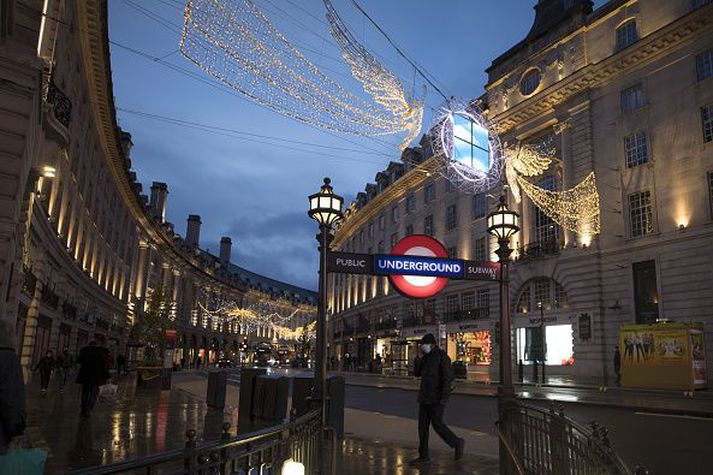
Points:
(255, 189)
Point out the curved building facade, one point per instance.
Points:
(624, 91)
(81, 248)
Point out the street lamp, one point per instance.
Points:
(326, 208)
(503, 224)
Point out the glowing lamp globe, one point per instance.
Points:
(325, 207)
(290, 467)
(503, 223)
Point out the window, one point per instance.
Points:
(467, 301)
(452, 304)
(394, 214)
(451, 217)
(541, 290)
(480, 205)
(626, 34)
(452, 252)
(641, 214)
(409, 229)
(632, 98)
(483, 302)
(710, 191)
(429, 193)
(546, 231)
(428, 225)
(410, 203)
(471, 145)
(699, 3)
(541, 287)
(530, 81)
(561, 299)
(480, 249)
(380, 248)
(361, 238)
(646, 298)
(523, 303)
(636, 149)
(371, 230)
(704, 65)
(382, 222)
(394, 238)
(558, 344)
(707, 122)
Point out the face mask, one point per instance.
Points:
(426, 348)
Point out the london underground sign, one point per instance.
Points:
(418, 267)
(416, 283)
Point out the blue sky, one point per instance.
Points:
(256, 191)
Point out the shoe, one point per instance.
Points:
(420, 461)
(43, 391)
(460, 445)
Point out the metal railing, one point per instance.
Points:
(263, 451)
(542, 441)
(545, 247)
(60, 103)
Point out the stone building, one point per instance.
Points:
(81, 248)
(626, 91)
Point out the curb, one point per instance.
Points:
(553, 398)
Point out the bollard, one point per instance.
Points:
(520, 370)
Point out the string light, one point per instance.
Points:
(576, 209)
(233, 41)
(379, 82)
(528, 160)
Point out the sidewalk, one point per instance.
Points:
(141, 422)
(675, 402)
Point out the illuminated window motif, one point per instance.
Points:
(470, 143)
(641, 215)
(636, 149)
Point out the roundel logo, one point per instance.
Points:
(416, 286)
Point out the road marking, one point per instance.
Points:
(678, 416)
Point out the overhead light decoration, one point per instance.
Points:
(233, 41)
(471, 155)
(377, 81)
(473, 160)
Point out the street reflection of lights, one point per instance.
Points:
(562, 397)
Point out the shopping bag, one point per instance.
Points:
(23, 462)
(107, 392)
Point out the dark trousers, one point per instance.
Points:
(432, 415)
(45, 378)
(89, 397)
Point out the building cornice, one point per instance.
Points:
(355, 219)
(680, 31)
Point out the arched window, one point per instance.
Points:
(626, 34)
(541, 291)
(530, 81)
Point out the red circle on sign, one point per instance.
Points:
(419, 287)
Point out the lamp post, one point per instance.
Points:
(326, 208)
(503, 224)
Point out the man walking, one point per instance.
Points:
(93, 372)
(434, 369)
(65, 362)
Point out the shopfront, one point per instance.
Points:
(470, 342)
(557, 344)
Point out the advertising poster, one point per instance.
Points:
(664, 355)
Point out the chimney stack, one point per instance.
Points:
(225, 245)
(193, 230)
(159, 193)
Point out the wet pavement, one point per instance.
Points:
(139, 422)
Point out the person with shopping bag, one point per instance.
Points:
(93, 373)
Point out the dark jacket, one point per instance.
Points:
(92, 361)
(46, 364)
(12, 398)
(436, 375)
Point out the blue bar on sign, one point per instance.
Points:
(415, 265)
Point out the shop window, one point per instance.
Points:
(559, 346)
(646, 298)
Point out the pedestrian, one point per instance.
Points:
(45, 366)
(12, 389)
(93, 373)
(121, 363)
(617, 365)
(65, 362)
(436, 373)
